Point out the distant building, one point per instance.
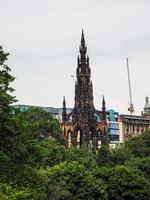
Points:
(112, 121)
(133, 125)
(146, 112)
(85, 125)
(113, 128)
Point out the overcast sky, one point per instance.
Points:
(43, 38)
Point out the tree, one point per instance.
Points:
(7, 193)
(119, 156)
(83, 156)
(6, 99)
(5, 89)
(71, 181)
(127, 183)
(45, 153)
(123, 183)
(139, 146)
(143, 164)
(104, 156)
(42, 124)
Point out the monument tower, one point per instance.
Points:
(80, 126)
(83, 114)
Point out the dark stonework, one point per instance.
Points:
(84, 110)
(64, 114)
(105, 138)
(82, 125)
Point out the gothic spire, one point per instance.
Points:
(64, 103)
(105, 139)
(64, 113)
(103, 109)
(83, 49)
(82, 39)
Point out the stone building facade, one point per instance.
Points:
(80, 126)
(134, 125)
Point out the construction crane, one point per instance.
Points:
(131, 107)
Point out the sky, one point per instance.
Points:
(43, 38)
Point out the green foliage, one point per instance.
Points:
(119, 156)
(46, 153)
(15, 134)
(143, 164)
(111, 157)
(104, 156)
(7, 193)
(124, 183)
(42, 124)
(5, 99)
(5, 89)
(83, 155)
(127, 183)
(139, 146)
(70, 180)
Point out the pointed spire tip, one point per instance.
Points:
(82, 36)
(64, 99)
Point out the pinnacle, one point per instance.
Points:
(82, 38)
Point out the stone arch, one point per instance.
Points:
(69, 137)
(78, 135)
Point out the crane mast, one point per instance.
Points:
(131, 107)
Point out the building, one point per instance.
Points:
(146, 112)
(84, 125)
(134, 125)
(113, 128)
(81, 126)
